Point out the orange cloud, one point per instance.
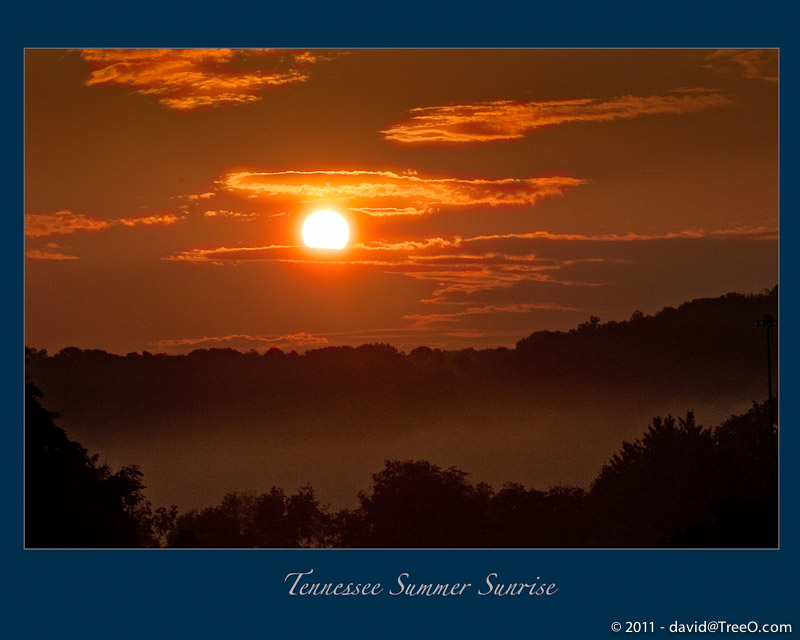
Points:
(445, 318)
(417, 253)
(512, 120)
(48, 254)
(404, 338)
(759, 232)
(194, 197)
(166, 218)
(45, 224)
(468, 278)
(754, 64)
(381, 212)
(242, 340)
(419, 194)
(456, 273)
(189, 79)
(235, 254)
(463, 266)
(223, 213)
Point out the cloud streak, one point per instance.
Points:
(512, 120)
(419, 251)
(39, 225)
(436, 319)
(61, 222)
(165, 219)
(48, 253)
(300, 340)
(237, 215)
(190, 79)
(459, 267)
(405, 337)
(366, 191)
(753, 64)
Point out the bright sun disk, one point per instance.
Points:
(325, 229)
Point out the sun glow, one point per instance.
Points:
(325, 229)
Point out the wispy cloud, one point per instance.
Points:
(405, 337)
(219, 255)
(457, 267)
(189, 79)
(512, 120)
(382, 212)
(428, 252)
(431, 319)
(758, 232)
(60, 222)
(300, 340)
(754, 64)
(195, 197)
(50, 252)
(164, 219)
(403, 194)
(224, 213)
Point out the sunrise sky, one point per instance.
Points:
(489, 193)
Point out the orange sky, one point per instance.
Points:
(490, 193)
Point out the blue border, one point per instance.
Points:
(214, 594)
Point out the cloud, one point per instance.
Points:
(766, 231)
(512, 120)
(405, 338)
(428, 253)
(223, 213)
(408, 245)
(487, 250)
(220, 255)
(195, 197)
(416, 194)
(381, 212)
(49, 253)
(466, 279)
(754, 64)
(459, 267)
(42, 225)
(300, 340)
(427, 320)
(60, 222)
(190, 79)
(163, 219)
(452, 274)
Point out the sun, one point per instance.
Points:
(325, 229)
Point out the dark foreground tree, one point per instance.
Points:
(682, 485)
(416, 504)
(654, 486)
(528, 518)
(743, 509)
(269, 520)
(70, 500)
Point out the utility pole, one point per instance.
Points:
(768, 321)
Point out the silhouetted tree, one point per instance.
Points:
(527, 518)
(70, 500)
(682, 485)
(743, 510)
(416, 504)
(655, 485)
(269, 520)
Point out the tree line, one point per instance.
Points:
(707, 346)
